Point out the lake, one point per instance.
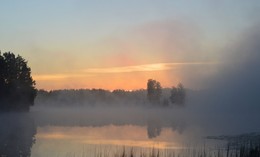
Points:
(110, 139)
(100, 132)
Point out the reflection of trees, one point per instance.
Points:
(17, 134)
(154, 128)
(154, 119)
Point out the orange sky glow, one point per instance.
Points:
(124, 77)
(88, 44)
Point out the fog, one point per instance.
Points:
(229, 104)
(212, 48)
(234, 92)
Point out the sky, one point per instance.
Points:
(121, 44)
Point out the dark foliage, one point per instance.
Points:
(154, 91)
(17, 88)
(178, 95)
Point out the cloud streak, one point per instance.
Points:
(145, 67)
(122, 69)
(56, 77)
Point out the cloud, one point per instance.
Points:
(55, 77)
(145, 67)
(50, 77)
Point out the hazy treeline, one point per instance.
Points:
(95, 97)
(154, 95)
(89, 97)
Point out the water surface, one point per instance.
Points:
(59, 141)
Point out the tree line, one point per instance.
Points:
(154, 95)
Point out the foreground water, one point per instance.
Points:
(41, 134)
(110, 140)
(120, 131)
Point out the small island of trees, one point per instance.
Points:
(154, 94)
(17, 88)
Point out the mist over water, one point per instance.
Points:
(229, 105)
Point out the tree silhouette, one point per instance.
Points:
(17, 88)
(178, 94)
(154, 91)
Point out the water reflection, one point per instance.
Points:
(54, 141)
(153, 119)
(17, 134)
(61, 134)
(62, 131)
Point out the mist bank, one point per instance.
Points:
(89, 97)
(201, 116)
(119, 97)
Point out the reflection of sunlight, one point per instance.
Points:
(128, 135)
(53, 136)
(134, 143)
